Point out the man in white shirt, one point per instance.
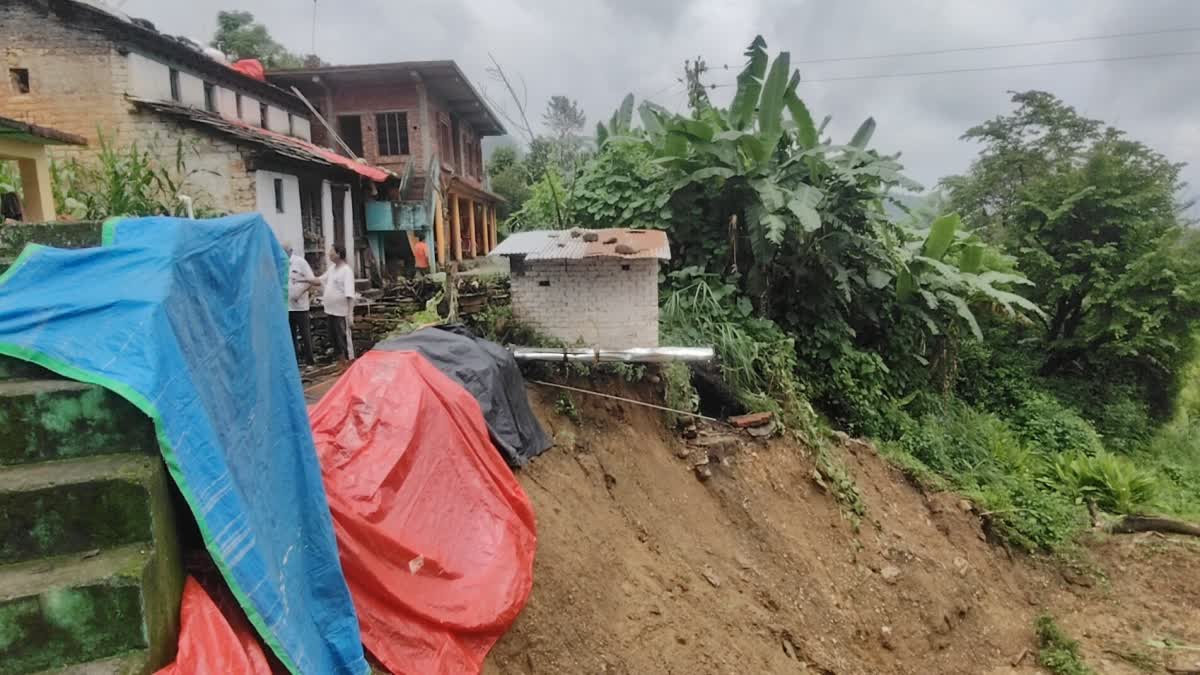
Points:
(300, 282)
(338, 301)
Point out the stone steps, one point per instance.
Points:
(14, 237)
(50, 419)
(73, 609)
(56, 508)
(90, 572)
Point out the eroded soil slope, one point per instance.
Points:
(643, 568)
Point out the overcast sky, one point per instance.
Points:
(598, 51)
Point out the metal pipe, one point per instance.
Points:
(596, 355)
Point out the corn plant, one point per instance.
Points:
(133, 180)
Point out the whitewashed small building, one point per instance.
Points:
(597, 288)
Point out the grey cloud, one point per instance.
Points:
(596, 52)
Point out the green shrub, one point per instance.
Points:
(757, 360)
(1048, 425)
(1057, 652)
(980, 455)
(1116, 484)
(1174, 454)
(680, 393)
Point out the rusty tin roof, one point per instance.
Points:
(571, 245)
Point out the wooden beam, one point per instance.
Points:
(471, 227)
(456, 227)
(495, 228)
(441, 242)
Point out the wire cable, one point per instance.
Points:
(981, 69)
(1009, 45)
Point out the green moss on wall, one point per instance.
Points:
(67, 626)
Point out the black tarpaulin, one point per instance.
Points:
(490, 373)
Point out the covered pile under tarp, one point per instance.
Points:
(186, 319)
(437, 537)
(212, 640)
(490, 373)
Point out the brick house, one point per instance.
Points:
(424, 121)
(87, 71)
(597, 287)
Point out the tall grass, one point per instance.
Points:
(757, 360)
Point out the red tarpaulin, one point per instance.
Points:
(211, 642)
(435, 535)
(250, 68)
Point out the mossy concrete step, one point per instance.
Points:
(131, 663)
(55, 508)
(16, 369)
(59, 419)
(66, 611)
(14, 237)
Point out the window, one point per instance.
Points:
(391, 129)
(19, 77)
(291, 125)
(174, 85)
(210, 97)
(238, 102)
(447, 146)
(350, 129)
(278, 195)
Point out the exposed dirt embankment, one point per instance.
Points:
(643, 568)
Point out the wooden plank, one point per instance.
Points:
(441, 243)
(456, 227)
(495, 228)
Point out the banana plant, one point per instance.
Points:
(925, 272)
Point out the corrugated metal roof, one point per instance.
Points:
(575, 245)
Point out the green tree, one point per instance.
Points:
(241, 38)
(1095, 220)
(509, 178)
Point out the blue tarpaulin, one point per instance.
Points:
(187, 320)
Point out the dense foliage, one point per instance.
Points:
(1021, 337)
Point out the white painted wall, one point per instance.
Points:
(149, 79)
(277, 119)
(249, 110)
(327, 222)
(594, 301)
(191, 90)
(287, 226)
(302, 127)
(227, 103)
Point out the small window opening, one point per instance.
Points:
(625, 267)
(543, 283)
(262, 115)
(174, 75)
(291, 125)
(278, 195)
(20, 79)
(237, 99)
(210, 97)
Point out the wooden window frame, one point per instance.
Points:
(406, 148)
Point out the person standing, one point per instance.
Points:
(338, 301)
(300, 282)
(420, 251)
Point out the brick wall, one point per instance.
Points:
(78, 83)
(595, 301)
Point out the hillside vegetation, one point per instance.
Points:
(1025, 335)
